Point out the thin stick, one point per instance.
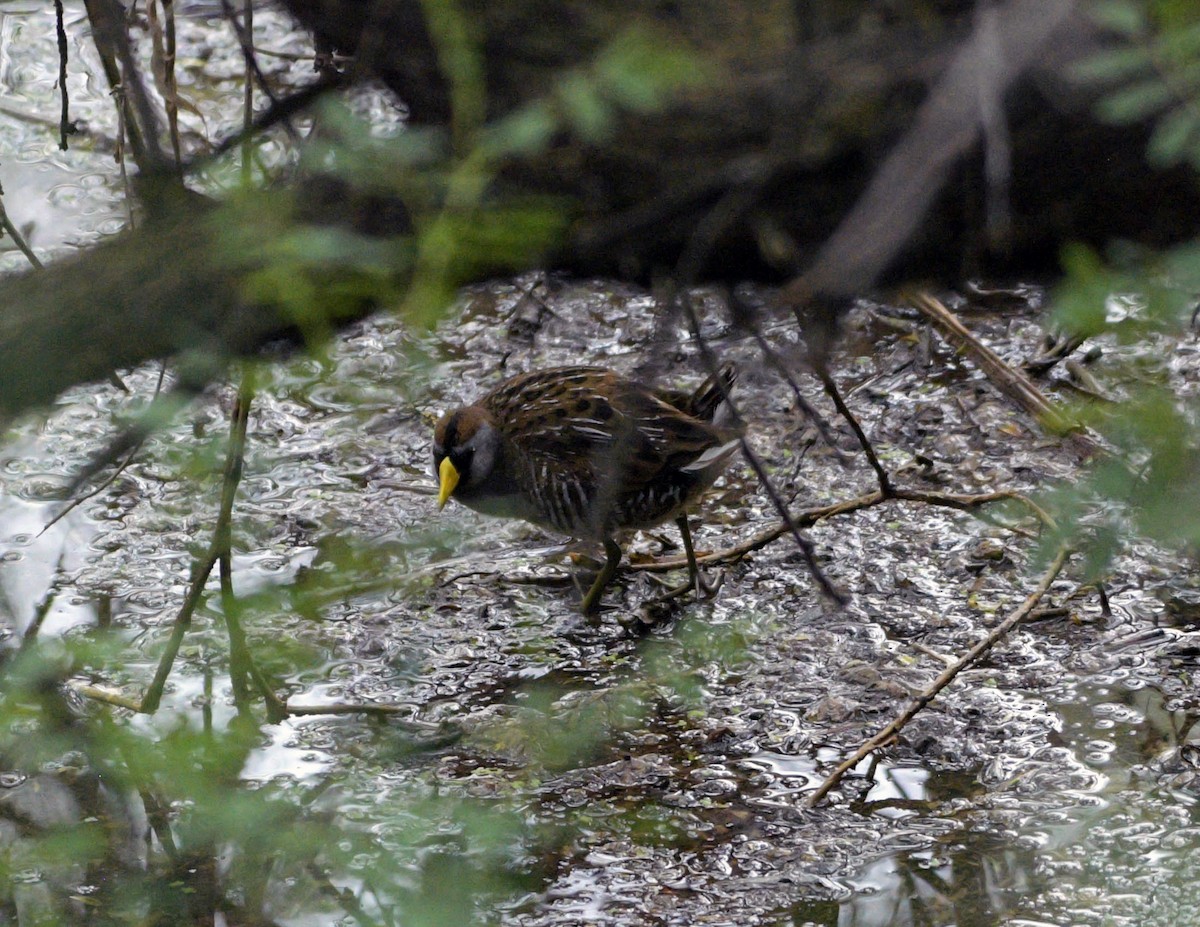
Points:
(79, 500)
(42, 609)
(744, 317)
(1010, 381)
(201, 571)
(248, 98)
(102, 39)
(64, 123)
(112, 43)
(219, 547)
(367, 708)
(15, 234)
(945, 678)
(244, 30)
(276, 113)
(831, 389)
(789, 525)
(161, 410)
(106, 696)
(810, 517)
(806, 546)
(120, 700)
(239, 657)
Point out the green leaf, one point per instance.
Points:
(526, 132)
(1136, 101)
(640, 71)
(1127, 17)
(587, 112)
(1112, 65)
(1080, 301)
(1180, 42)
(1175, 137)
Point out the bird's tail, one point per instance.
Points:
(709, 402)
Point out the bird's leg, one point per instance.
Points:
(695, 577)
(612, 552)
(685, 532)
(696, 580)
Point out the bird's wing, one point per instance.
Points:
(589, 426)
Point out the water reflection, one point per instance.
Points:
(1074, 824)
(1118, 852)
(977, 881)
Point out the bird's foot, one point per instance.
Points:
(704, 588)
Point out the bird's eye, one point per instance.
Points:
(461, 458)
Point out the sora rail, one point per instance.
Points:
(589, 453)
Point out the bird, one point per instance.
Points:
(589, 453)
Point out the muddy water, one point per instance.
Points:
(1052, 784)
(660, 761)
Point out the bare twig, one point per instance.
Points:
(968, 503)
(246, 36)
(810, 517)
(244, 30)
(79, 500)
(745, 318)
(414, 725)
(162, 36)
(884, 736)
(161, 410)
(239, 655)
(112, 43)
(827, 381)
(133, 449)
(15, 234)
(1011, 382)
(367, 708)
(275, 114)
(201, 570)
(107, 696)
(42, 609)
(806, 546)
(64, 124)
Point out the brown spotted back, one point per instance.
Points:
(595, 452)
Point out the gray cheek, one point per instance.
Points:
(483, 457)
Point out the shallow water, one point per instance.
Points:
(659, 762)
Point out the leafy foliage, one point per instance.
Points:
(111, 815)
(1151, 71)
(1139, 304)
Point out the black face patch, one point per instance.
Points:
(461, 460)
(450, 437)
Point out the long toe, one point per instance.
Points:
(703, 588)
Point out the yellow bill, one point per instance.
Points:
(448, 475)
